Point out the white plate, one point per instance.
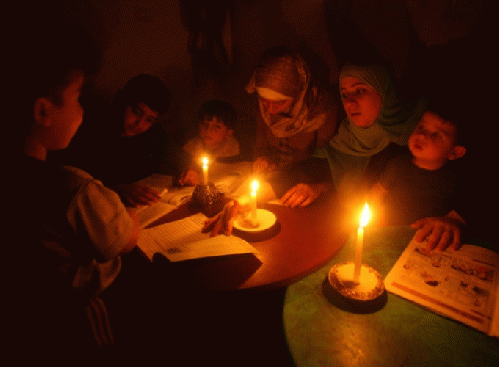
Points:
(265, 218)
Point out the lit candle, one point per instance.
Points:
(205, 170)
(364, 218)
(254, 187)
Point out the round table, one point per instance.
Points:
(399, 333)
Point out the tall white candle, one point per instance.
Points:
(364, 219)
(205, 170)
(254, 187)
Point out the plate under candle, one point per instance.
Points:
(369, 287)
(266, 219)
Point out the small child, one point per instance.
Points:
(215, 139)
(420, 189)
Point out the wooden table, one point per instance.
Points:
(302, 240)
(400, 333)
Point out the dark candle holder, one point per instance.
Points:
(206, 196)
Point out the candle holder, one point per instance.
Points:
(206, 195)
(369, 286)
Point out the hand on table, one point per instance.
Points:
(223, 222)
(441, 232)
(262, 166)
(190, 177)
(135, 194)
(303, 194)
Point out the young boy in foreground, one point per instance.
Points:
(71, 229)
(420, 189)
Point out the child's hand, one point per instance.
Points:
(190, 177)
(223, 222)
(440, 232)
(134, 194)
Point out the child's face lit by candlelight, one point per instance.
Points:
(214, 133)
(138, 119)
(432, 142)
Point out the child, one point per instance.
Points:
(70, 229)
(423, 184)
(216, 123)
(127, 144)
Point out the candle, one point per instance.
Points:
(364, 218)
(254, 188)
(205, 170)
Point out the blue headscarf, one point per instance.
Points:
(349, 150)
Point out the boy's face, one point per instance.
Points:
(138, 119)
(214, 133)
(66, 118)
(432, 142)
(362, 103)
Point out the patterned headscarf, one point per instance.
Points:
(288, 75)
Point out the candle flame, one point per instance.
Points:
(364, 218)
(205, 161)
(254, 185)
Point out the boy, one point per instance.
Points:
(423, 185)
(127, 144)
(216, 123)
(70, 229)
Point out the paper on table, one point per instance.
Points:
(183, 240)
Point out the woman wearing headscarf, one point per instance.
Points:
(376, 122)
(294, 117)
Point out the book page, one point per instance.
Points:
(458, 284)
(183, 240)
(228, 177)
(157, 181)
(147, 214)
(178, 195)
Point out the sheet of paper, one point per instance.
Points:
(183, 240)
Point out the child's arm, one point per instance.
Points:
(190, 177)
(134, 236)
(440, 231)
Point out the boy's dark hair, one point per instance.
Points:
(448, 110)
(219, 109)
(43, 57)
(147, 89)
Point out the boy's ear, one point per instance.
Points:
(41, 111)
(457, 152)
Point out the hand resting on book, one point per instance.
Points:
(134, 194)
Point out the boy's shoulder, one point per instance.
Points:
(73, 179)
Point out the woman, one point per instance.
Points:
(377, 123)
(294, 117)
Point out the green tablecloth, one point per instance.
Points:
(399, 334)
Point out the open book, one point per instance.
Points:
(171, 198)
(462, 285)
(227, 178)
(183, 240)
